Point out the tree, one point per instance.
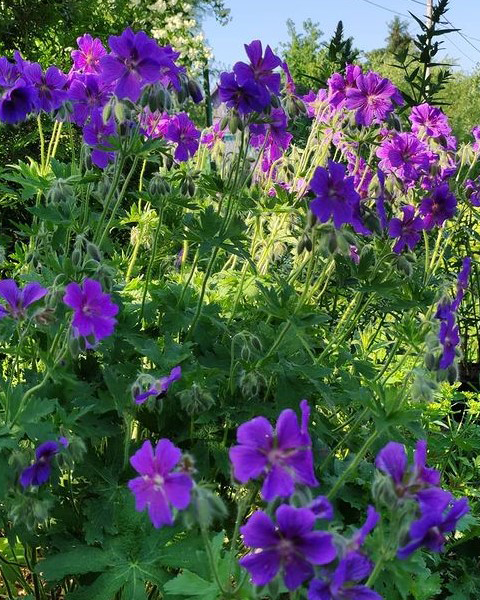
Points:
(398, 37)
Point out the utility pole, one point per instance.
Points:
(428, 23)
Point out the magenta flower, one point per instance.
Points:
(431, 120)
(373, 98)
(290, 545)
(260, 68)
(439, 206)
(94, 310)
(135, 61)
(437, 518)
(159, 487)
(338, 85)
(154, 124)
(405, 156)
(39, 472)
(212, 135)
(160, 388)
(19, 300)
(407, 230)
(87, 58)
(344, 582)
(283, 457)
(96, 134)
(184, 134)
(335, 195)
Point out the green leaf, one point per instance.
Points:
(191, 585)
(74, 562)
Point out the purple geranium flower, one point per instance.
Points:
(473, 191)
(407, 230)
(95, 134)
(39, 472)
(136, 60)
(184, 134)
(431, 120)
(449, 338)
(260, 68)
(158, 486)
(343, 583)
(335, 195)
(476, 137)
(437, 518)
(87, 94)
(437, 207)
(16, 102)
(49, 87)
(358, 538)
(283, 457)
(160, 387)
(19, 300)
(462, 283)
(392, 460)
(321, 508)
(245, 98)
(373, 98)
(94, 310)
(338, 85)
(87, 58)
(405, 156)
(212, 135)
(291, 546)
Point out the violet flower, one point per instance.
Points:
(18, 300)
(321, 508)
(87, 58)
(476, 137)
(284, 457)
(407, 481)
(87, 94)
(39, 472)
(212, 135)
(462, 283)
(260, 68)
(358, 538)
(94, 310)
(96, 134)
(49, 87)
(438, 207)
(373, 98)
(335, 195)
(405, 156)
(449, 337)
(436, 520)
(135, 61)
(17, 102)
(245, 98)
(160, 387)
(290, 546)
(344, 582)
(184, 134)
(473, 191)
(429, 119)
(159, 487)
(407, 229)
(339, 85)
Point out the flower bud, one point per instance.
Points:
(195, 91)
(107, 112)
(77, 258)
(195, 400)
(94, 252)
(119, 111)
(205, 507)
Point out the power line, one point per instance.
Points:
(395, 12)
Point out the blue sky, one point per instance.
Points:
(266, 20)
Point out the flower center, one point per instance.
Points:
(158, 481)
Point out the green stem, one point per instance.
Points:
(211, 560)
(151, 261)
(42, 144)
(111, 192)
(198, 311)
(119, 200)
(190, 277)
(353, 465)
